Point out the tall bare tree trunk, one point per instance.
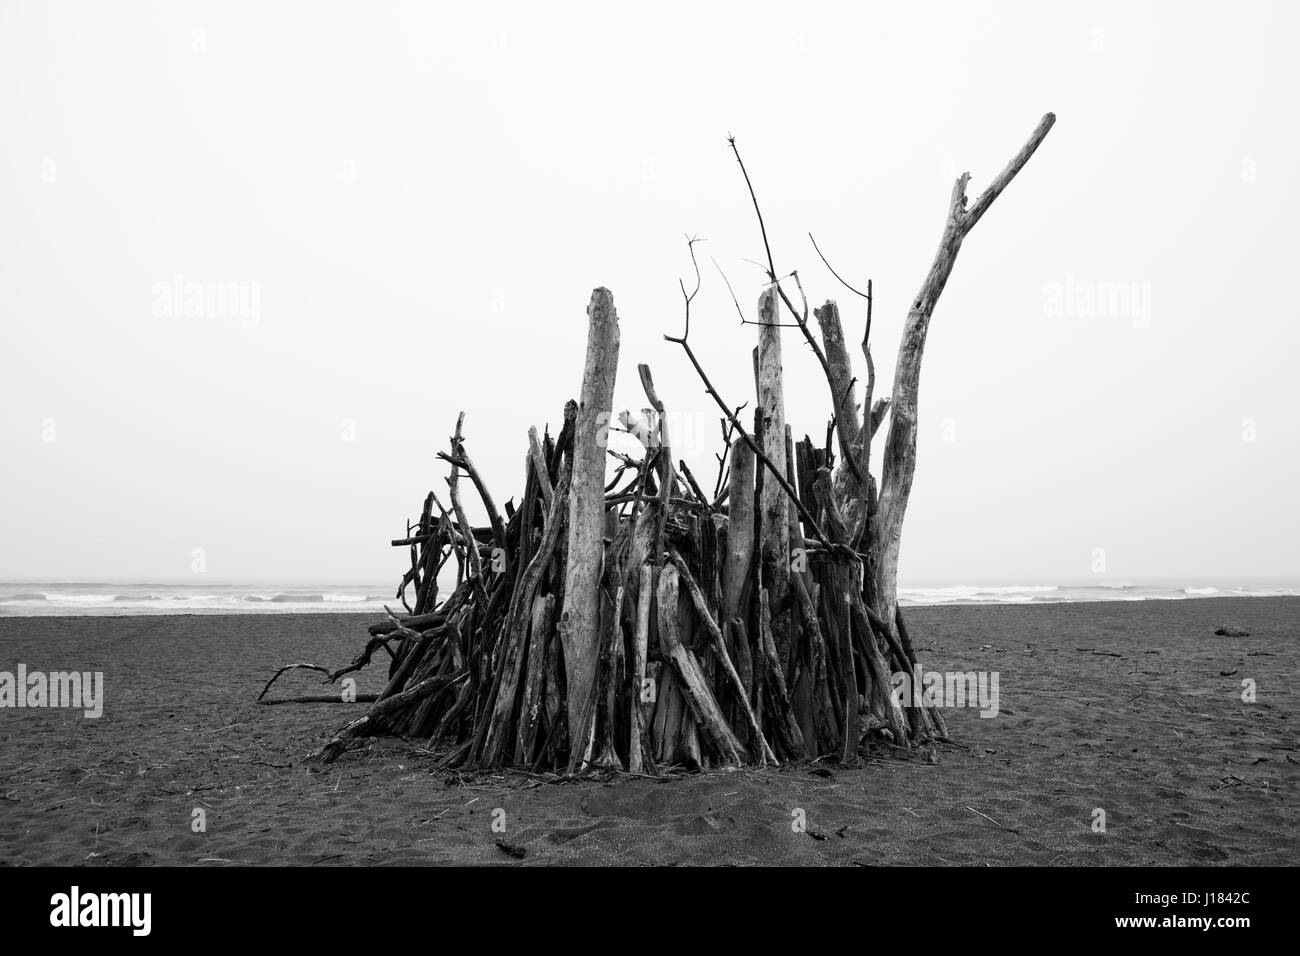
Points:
(900, 448)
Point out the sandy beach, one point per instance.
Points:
(1132, 708)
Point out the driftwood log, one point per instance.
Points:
(580, 618)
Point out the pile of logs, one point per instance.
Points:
(638, 622)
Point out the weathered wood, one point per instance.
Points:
(848, 583)
(711, 561)
(444, 661)
(522, 521)
(409, 660)
(668, 718)
(580, 618)
(416, 622)
(883, 705)
(850, 727)
(695, 689)
(428, 549)
(539, 466)
(640, 643)
(539, 639)
(471, 548)
(515, 629)
(553, 702)
(604, 753)
(372, 720)
(720, 648)
(935, 714)
(799, 667)
(321, 699)
(839, 372)
(689, 750)
(788, 735)
(899, 465)
(664, 457)
(774, 543)
(878, 412)
(825, 723)
(852, 477)
(744, 658)
(564, 442)
(460, 459)
(740, 530)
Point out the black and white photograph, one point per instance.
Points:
(689, 435)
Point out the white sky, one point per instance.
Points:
(426, 197)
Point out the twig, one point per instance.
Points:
(992, 821)
(778, 473)
(865, 295)
(801, 320)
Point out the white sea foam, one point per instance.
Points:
(91, 599)
(42, 599)
(1068, 594)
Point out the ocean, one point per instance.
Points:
(28, 599)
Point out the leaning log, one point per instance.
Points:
(372, 722)
(695, 689)
(720, 649)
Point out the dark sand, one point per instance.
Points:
(1186, 772)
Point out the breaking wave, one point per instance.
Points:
(18, 600)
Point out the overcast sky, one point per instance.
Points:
(417, 200)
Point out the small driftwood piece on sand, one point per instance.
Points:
(320, 699)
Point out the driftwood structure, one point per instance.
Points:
(637, 621)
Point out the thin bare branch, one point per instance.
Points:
(771, 269)
(865, 295)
